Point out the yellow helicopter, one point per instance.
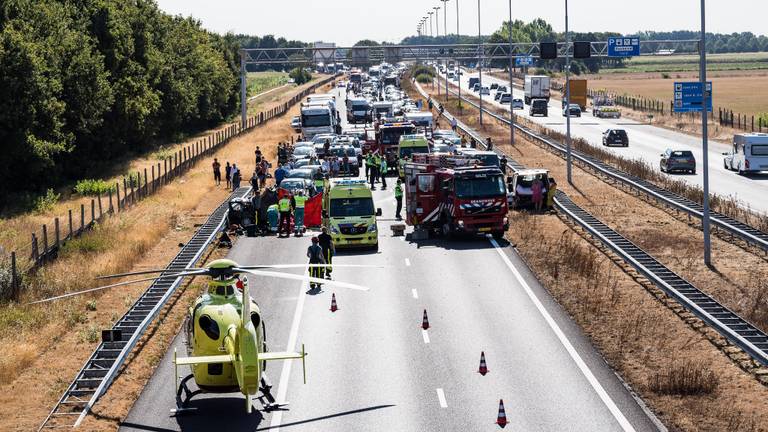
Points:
(225, 333)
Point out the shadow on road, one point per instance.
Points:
(329, 416)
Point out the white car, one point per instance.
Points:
(517, 104)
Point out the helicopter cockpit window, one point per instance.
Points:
(209, 326)
(225, 290)
(255, 319)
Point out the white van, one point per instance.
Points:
(749, 153)
(421, 119)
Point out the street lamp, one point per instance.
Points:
(704, 139)
(480, 61)
(458, 64)
(511, 92)
(437, 20)
(567, 98)
(445, 32)
(430, 23)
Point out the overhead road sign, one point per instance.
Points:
(623, 47)
(524, 61)
(688, 97)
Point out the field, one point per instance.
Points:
(690, 63)
(259, 82)
(743, 93)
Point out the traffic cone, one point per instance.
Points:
(425, 321)
(483, 367)
(334, 308)
(501, 420)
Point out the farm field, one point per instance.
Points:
(258, 82)
(690, 63)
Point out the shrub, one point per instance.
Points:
(424, 78)
(46, 202)
(422, 70)
(90, 242)
(6, 279)
(689, 378)
(90, 187)
(90, 305)
(665, 75)
(162, 153)
(300, 75)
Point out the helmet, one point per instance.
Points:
(315, 240)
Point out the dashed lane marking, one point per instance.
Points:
(425, 335)
(415, 293)
(441, 398)
(407, 262)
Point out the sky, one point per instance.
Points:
(346, 21)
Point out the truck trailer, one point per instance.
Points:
(536, 87)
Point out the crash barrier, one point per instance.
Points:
(46, 243)
(102, 367)
(735, 329)
(740, 230)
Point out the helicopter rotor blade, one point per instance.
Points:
(301, 278)
(196, 272)
(288, 266)
(142, 272)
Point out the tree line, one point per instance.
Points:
(90, 81)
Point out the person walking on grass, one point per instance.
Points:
(228, 174)
(216, 171)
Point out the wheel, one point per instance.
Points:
(446, 230)
(693, 172)
(725, 166)
(661, 168)
(498, 235)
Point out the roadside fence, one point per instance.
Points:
(47, 241)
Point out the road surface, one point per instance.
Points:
(646, 142)
(371, 367)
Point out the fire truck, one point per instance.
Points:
(386, 139)
(455, 194)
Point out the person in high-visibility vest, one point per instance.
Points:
(383, 172)
(298, 212)
(399, 198)
(315, 255)
(326, 243)
(284, 206)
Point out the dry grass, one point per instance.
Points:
(684, 379)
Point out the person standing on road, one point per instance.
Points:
(299, 201)
(383, 172)
(503, 164)
(335, 167)
(368, 163)
(329, 250)
(398, 198)
(284, 207)
(454, 124)
(228, 174)
(279, 174)
(327, 148)
(236, 177)
(315, 255)
(255, 182)
(216, 171)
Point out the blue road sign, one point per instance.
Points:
(524, 61)
(623, 47)
(687, 96)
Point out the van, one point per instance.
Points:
(539, 107)
(748, 154)
(350, 215)
(421, 119)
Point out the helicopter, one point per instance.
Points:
(226, 347)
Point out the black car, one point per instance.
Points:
(615, 137)
(494, 86)
(539, 107)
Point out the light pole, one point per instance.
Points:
(480, 61)
(458, 64)
(511, 92)
(445, 32)
(567, 98)
(437, 20)
(704, 140)
(430, 23)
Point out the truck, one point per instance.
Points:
(317, 118)
(349, 214)
(536, 87)
(358, 110)
(749, 153)
(388, 139)
(604, 107)
(578, 93)
(454, 195)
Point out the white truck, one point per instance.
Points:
(749, 153)
(317, 118)
(536, 87)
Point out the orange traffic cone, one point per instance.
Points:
(334, 308)
(483, 367)
(501, 420)
(425, 321)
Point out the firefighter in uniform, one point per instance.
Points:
(284, 207)
(315, 255)
(326, 244)
(399, 198)
(298, 212)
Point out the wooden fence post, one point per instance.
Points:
(14, 277)
(117, 191)
(93, 211)
(146, 183)
(45, 241)
(35, 251)
(111, 208)
(57, 232)
(154, 186)
(101, 213)
(71, 232)
(82, 217)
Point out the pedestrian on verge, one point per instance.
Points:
(489, 144)
(383, 172)
(315, 255)
(255, 182)
(216, 171)
(399, 198)
(228, 174)
(263, 169)
(454, 124)
(326, 243)
(258, 155)
(536, 194)
(551, 191)
(236, 177)
(503, 164)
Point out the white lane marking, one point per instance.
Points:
(415, 293)
(282, 389)
(441, 398)
(425, 335)
(407, 262)
(617, 414)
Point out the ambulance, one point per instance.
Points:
(350, 214)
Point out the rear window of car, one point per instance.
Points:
(621, 133)
(682, 154)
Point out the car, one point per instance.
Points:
(615, 137)
(505, 98)
(476, 87)
(502, 89)
(298, 184)
(301, 163)
(573, 110)
(518, 104)
(539, 107)
(302, 153)
(494, 86)
(308, 172)
(441, 146)
(485, 91)
(497, 96)
(677, 161)
(320, 138)
(298, 144)
(296, 123)
(340, 152)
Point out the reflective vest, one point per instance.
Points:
(300, 200)
(284, 204)
(398, 191)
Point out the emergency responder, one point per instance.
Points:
(399, 198)
(326, 244)
(315, 255)
(551, 191)
(383, 172)
(284, 207)
(374, 169)
(368, 163)
(503, 164)
(298, 212)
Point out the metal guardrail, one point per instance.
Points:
(736, 228)
(102, 367)
(728, 324)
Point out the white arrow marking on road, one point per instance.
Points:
(617, 414)
(425, 335)
(441, 398)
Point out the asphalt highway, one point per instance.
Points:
(371, 367)
(646, 142)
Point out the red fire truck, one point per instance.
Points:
(387, 137)
(455, 194)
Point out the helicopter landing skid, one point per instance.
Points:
(266, 398)
(183, 396)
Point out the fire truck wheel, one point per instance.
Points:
(446, 229)
(498, 235)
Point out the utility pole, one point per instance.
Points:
(511, 92)
(704, 140)
(480, 61)
(568, 97)
(431, 34)
(445, 32)
(437, 20)
(243, 88)
(458, 64)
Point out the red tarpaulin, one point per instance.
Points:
(313, 209)
(282, 192)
